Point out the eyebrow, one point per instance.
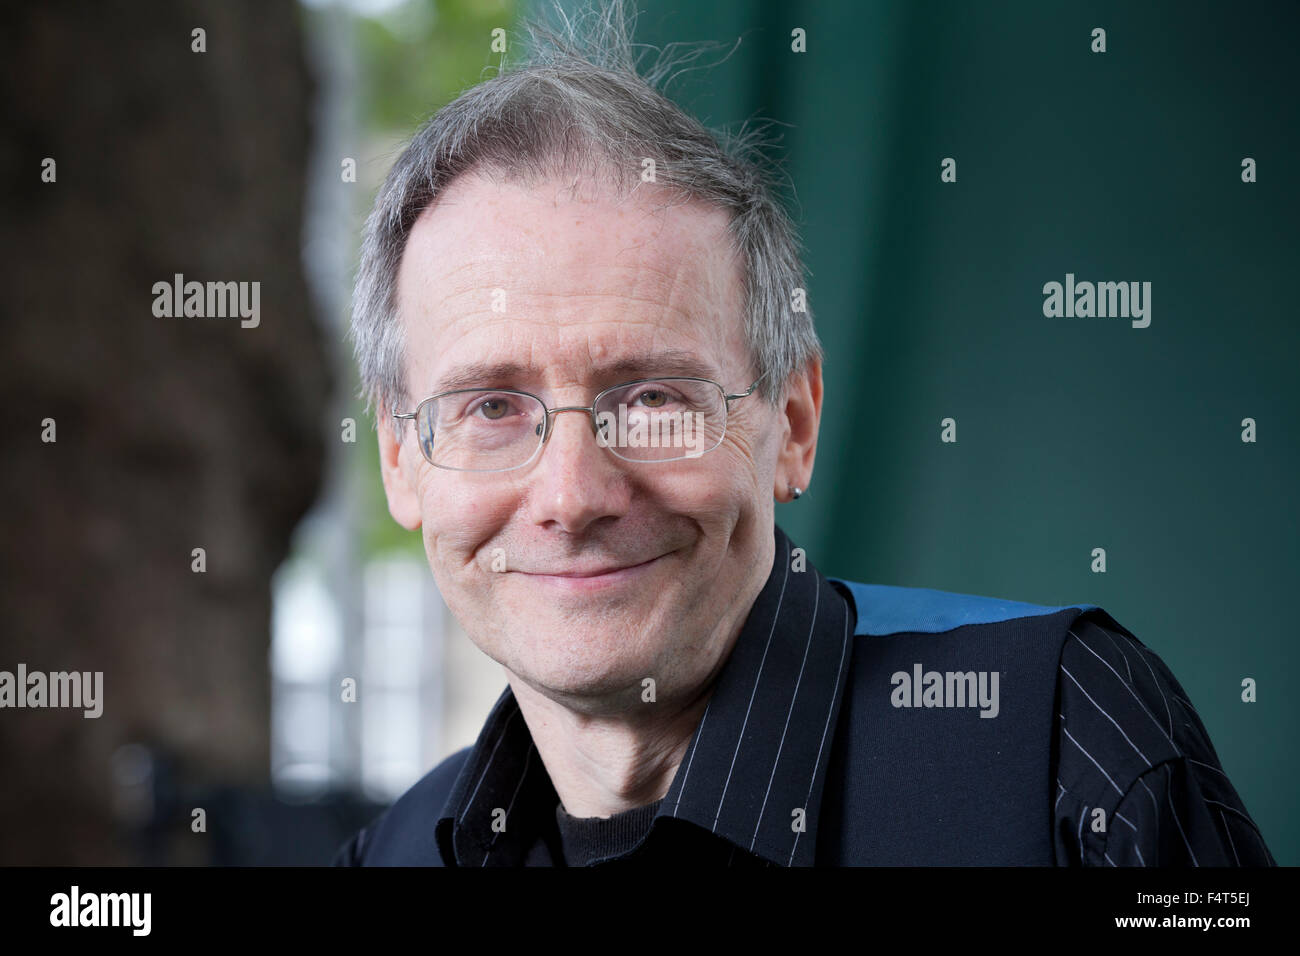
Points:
(669, 362)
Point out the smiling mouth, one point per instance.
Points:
(589, 579)
(591, 572)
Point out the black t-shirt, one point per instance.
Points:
(585, 840)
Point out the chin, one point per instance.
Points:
(603, 663)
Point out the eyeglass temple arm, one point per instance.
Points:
(747, 392)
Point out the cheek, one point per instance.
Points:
(716, 490)
(746, 459)
(459, 516)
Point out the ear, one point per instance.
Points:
(802, 413)
(398, 471)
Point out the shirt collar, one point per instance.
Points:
(754, 771)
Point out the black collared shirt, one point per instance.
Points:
(1128, 774)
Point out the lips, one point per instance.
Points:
(591, 572)
(594, 579)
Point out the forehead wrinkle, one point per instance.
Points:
(652, 316)
(662, 274)
(581, 355)
(502, 240)
(627, 338)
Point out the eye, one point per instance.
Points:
(494, 409)
(654, 397)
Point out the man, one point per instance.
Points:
(574, 319)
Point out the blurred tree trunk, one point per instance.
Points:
(172, 433)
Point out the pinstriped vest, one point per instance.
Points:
(917, 776)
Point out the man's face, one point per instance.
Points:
(580, 294)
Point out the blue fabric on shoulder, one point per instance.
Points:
(890, 609)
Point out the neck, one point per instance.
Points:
(604, 764)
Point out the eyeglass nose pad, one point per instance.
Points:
(543, 428)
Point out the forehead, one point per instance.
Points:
(559, 279)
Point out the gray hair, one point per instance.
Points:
(579, 104)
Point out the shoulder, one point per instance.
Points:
(403, 835)
(936, 649)
(885, 609)
(942, 637)
(1138, 779)
(1122, 711)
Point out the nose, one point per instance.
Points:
(576, 482)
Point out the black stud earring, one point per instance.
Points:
(795, 492)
